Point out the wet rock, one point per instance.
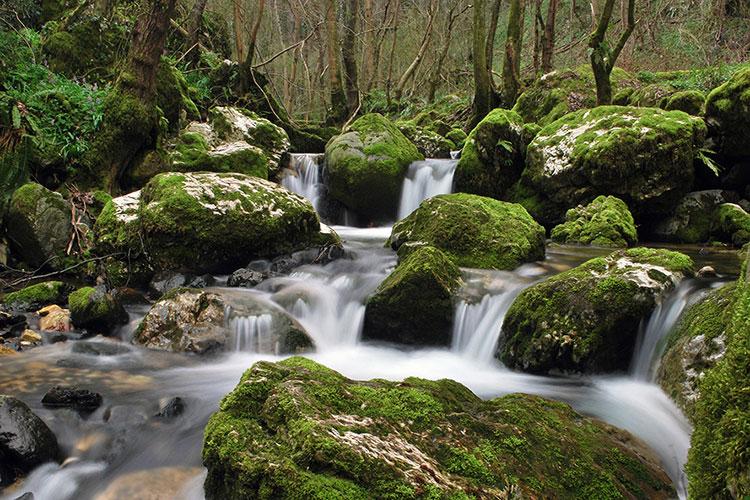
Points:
(166, 281)
(298, 438)
(160, 483)
(81, 400)
(692, 220)
(706, 272)
(25, 440)
(728, 115)
(414, 304)
(54, 318)
(36, 296)
(100, 348)
(473, 230)
(127, 416)
(31, 337)
(245, 278)
(604, 222)
(170, 408)
(732, 224)
(586, 319)
(96, 309)
(6, 350)
(12, 325)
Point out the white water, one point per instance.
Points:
(424, 180)
(305, 178)
(252, 333)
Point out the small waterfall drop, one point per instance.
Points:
(651, 339)
(305, 178)
(253, 333)
(424, 180)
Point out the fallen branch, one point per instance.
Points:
(287, 49)
(33, 277)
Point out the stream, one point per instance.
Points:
(107, 448)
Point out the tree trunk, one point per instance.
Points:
(337, 111)
(481, 105)
(389, 80)
(411, 70)
(438, 69)
(348, 55)
(489, 46)
(380, 38)
(194, 29)
(548, 45)
(603, 58)
(369, 44)
(512, 63)
(238, 22)
(538, 36)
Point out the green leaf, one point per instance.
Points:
(703, 156)
(506, 145)
(16, 117)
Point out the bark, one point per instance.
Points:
(238, 23)
(512, 63)
(548, 39)
(246, 65)
(426, 38)
(194, 29)
(481, 105)
(380, 38)
(369, 43)
(490, 44)
(389, 80)
(337, 111)
(538, 36)
(348, 55)
(603, 58)
(453, 15)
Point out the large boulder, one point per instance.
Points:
(414, 305)
(560, 92)
(728, 115)
(205, 321)
(586, 319)
(472, 230)
(731, 224)
(38, 225)
(693, 217)
(694, 346)
(689, 101)
(604, 222)
(209, 222)
(366, 165)
(25, 440)
(96, 309)
(36, 296)
(237, 124)
(642, 155)
(492, 158)
(296, 429)
(428, 142)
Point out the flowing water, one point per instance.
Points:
(122, 441)
(305, 177)
(424, 180)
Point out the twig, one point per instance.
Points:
(287, 49)
(19, 281)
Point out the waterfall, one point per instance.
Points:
(253, 334)
(651, 339)
(476, 326)
(424, 180)
(305, 178)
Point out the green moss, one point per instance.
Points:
(731, 223)
(689, 101)
(296, 426)
(94, 309)
(36, 296)
(192, 153)
(493, 155)
(655, 95)
(605, 222)
(457, 136)
(413, 304)
(366, 166)
(474, 231)
(718, 463)
(727, 110)
(586, 319)
(428, 142)
(173, 95)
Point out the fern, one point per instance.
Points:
(703, 156)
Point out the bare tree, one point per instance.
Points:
(194, 28)
(603, 58)
(548, 38)
(389, 79)
(426, 38)
(482, 85)
(348, 55)
(513, 44)
(338, 110)
(453, 14)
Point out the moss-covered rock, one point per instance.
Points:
(718, 463)
(604, 222)
(492, 158)
(561, 92)
(428, 142)
(732, 224)
(689, 101)
(236, 124)
(367, 164)
(586, 319)
(728, 115)
(693, 217)
(472, 230)
(296, 429)
(38, 226)
(642, 155)
(457, 136)
(653, 95)
(695, 345)
(195, 152)
(209, 222)
(36, 296)
(95, 309)
(414, 305)
(201, 322)
(173, 95)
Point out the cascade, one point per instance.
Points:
(424, 180)
(305, 178)
(253, 333)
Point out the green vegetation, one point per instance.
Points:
(95, 309)
(36, 296)
(604, 222)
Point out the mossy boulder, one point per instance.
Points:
(728, 115)
(237, 124)
(693, 217)
(173, 95)
(472, 230)
(653, 95)
(428, 142)
(296, 429)
(38, 226)
(605, 222)
(36, 296)
(95, 309)
(196, 152)
(414, 305)
(695, 345)
(492, 158)
(731, 224)
(212, 222)
(560, 92)
(366, 166)
(202, 321)
(642, 155)
(586, 319)
(689, 101)
(718, 464)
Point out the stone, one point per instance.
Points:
(54, 318)
(36, 296)
(96, 309)
(728, 115)
(731, 224)
(31, 337)
(166, 281)
(692, 220)
(605, 222)
(170, 408)
(81, 400)
(245, 278)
